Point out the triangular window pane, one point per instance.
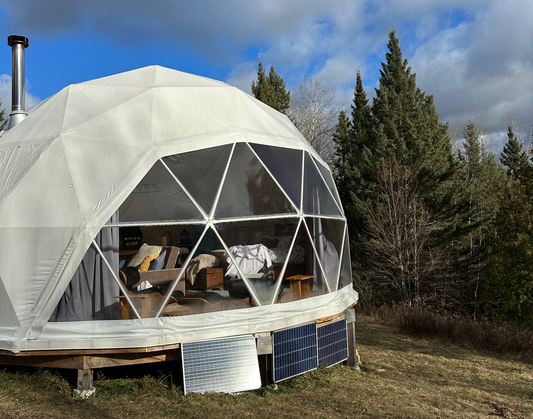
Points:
(260, 249)
(326, 174)
(249, 189)
(327, 236)
(201, 172)
(317, 196)
(286, 166)
(346, 265)
(158, 197)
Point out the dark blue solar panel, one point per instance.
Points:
(332, 343)
(294, 351)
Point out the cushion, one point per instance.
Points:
(198, 263)
(159, 262)
(145, 264)
(144, 251)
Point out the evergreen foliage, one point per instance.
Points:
(513, 156)
(398, 145)
(430, 226)
(345, 172)
(271, 89)
(3, 119)
(477, 189)
(411, 129)
(510, 268)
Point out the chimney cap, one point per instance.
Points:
(18, 39)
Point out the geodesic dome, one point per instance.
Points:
(164, 151)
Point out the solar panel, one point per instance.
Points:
(224, 365)
(294, 351)
(332, 343)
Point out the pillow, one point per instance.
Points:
(144, 251)
(198, 263)
(269, 242)
(143, 267)
(159, 262)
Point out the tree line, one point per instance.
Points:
(435, 225)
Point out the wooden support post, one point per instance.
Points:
(265, 369)
(85, 380)
(353, 357)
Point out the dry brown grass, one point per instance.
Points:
(501, 338)
(401, 377)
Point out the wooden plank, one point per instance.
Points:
(53, 352)
(83, 362)
(329, 319)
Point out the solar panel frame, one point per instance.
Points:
(294, 351)
(332, 343)
(227, 365)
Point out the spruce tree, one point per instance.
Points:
(271, 89)
(509, 270)
(344, 171)
(410, 127)
(401, 133)
(365, 157)
(478, 185)
(513, 156)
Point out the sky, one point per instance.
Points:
(475, 57)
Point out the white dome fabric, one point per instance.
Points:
(79, 154)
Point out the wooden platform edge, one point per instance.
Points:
(90, 359)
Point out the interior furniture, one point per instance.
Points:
(209, 278)
(300, 286)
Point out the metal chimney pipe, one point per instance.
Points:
(18, 44)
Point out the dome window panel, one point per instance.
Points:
(158, 197)
(201, 172)
(326, 235)
(255, 259)
(249, 190)
(317, 198)
(346, 277)
(328, 178)
(286, 167)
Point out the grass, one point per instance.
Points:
(498, 337)
(402, 377)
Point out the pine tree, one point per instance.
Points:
(513, 156)
(3, 119)
(271, 89)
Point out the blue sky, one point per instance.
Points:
(475, 57)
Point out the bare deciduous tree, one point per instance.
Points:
(400, 230)
(315, 112)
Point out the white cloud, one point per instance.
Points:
(5, 95)
(482, 69)
(475, 57)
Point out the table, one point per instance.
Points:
(300, 285)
